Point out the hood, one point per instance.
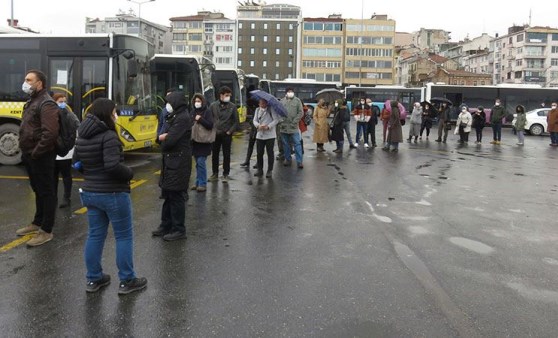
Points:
(91, 126)
(177, 100)
(519, 109)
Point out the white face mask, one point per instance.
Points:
(227, 99)
(553, 106)
(290, 95)
(497, 103)
(27, 89)
(198, 105)
(168, 107)
(115, 117)
(336, 104)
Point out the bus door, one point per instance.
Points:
(81, 79)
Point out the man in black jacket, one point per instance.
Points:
(225, 117)
(37, 140)
(176, 149)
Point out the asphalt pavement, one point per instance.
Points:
(437, 240)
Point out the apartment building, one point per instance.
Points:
(188, 34)
(469, 47)
(220, 42)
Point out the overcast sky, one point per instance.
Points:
(462, 18)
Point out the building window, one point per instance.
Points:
(252, 51)
(265, 38)
(252, 38)
(265, 25)
(290, 65)
(554, 62)
(252, 63)
(277, 63)
(240, 25)
(252, 25)
(290, 38)
(264, 63)
(179, 37)
(554, 49)
(278, 26)
(239, 63)
(239, 50)
(264, 51)
(290, 51)
(291, 26)
(276, 76)
(277, 38)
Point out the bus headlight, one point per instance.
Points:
(126, 135)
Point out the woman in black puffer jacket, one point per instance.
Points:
(106, 194)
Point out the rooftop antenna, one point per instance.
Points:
(530, 17)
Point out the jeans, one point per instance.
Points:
(296, 140)
(479, 133)
(103, 208)
(201, 171)
(554, 137)
(347, 128)
(63, 167)
(361, 130)
(173, 214)
(339, 145)
(266, 145)
(224, 141)
(521, 136)
(41, 173)
(497, 131)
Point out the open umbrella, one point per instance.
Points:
(402, 111)
(329, 95)
(440, 100)
(271, 101)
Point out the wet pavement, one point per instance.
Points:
(436, 241)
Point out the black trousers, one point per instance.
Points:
(41, 172)
(64, 168)
(268, 146)
(370, 134)
(251, 142)
(221, 141)
(174, 211)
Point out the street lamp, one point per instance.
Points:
(139, 3)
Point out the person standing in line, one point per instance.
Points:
(443, 122)
(372, 122)
(362, 115)
(385, 116)
(427, 115)
(552, 123)
(337, 125)
(416, 122)
(289, 127)
(463, 125)
(520, 122)
(321, 126)
(251, 106)
(498, 113)
(37, 140)
(479, 121)
(176, 150)
(162, 126)
(225, 119)
(106, 194)
(265, 121)
(64, 163)
(395, 131)
(202, 115)
(346, 117)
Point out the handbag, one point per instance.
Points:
(463, 125)
(201, 134)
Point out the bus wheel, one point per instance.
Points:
(536, 129)
(9, 144)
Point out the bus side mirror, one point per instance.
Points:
(132, 68)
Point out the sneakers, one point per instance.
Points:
(40, 238)
(438, 140)
(159, 232)
(201, 189)
(494, 142)
(355, 145)
(498, 142)
(366, 145)
(225, 178)
(268, 174)
(29, 229)
(194, 187)
(519, 143)
(352, 146)
(213, 178)
(338, 150)
(174, 236)
(300, 166)
(131, 285)
(244, 164)
(259, 173)
(94, 286)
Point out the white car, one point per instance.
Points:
(536, 121)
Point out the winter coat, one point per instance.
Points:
(552, 121)
(206, 120)
(444, 114)
(375, 110)
(498, 113)
(427, 116)
(100, 152)
(521, 119)
(266, 117)
(464, 117)
(338, 123)
(479, 119)
(416, 116)
(177, 147)
(321, 125)
(39, 129)
(225, 117)
(362, 113)
(394, 126)
(289, 124)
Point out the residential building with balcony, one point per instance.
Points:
(419, 69)
(462, 50)
(188, 33)
(431, 39)
(220, 43)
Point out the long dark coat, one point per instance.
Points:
(395, 130)
(338, 121)
(206, 120)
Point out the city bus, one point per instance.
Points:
(530, 96)
(304, 89)
(187, 73)
(234, 79)
(380, 94)
(84, 68)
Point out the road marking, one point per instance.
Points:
(17, 242)
(27, 177)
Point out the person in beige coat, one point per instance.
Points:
(321, 126)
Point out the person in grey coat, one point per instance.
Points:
(395, 131)
(290, 134)
(416, 122)
(265, 122)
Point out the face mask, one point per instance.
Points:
(497, 103)
(290, 95)
(198, 105)
(27, 89)
(336, 104)
(227, 99)
(553, 107)
(62, 105)
(168, 107)
(463, 110)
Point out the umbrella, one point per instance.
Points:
(329, 95)
(440, 100)
(271, 101)
(402, 111)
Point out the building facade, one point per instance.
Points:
(129, 23)
(527, 55)
(188, 34)
(220, 42)
(268, 38)
(431, 39)
(467, 48)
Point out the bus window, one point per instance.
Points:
(94, 82)
(62, 80)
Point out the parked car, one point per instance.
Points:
(536, 121)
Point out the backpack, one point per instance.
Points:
(68, 123)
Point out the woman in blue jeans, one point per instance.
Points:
(106, 194)
(201, 115)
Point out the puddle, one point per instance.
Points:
(415, 218)
(418, 230)
(424, 202)
(518, 211)
(381, 218)
(541, 295)
(472, 245)
(550, 261)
